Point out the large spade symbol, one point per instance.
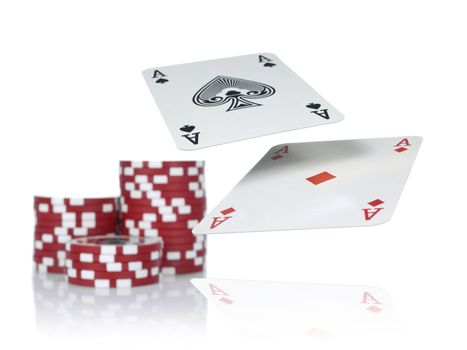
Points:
(237, 92)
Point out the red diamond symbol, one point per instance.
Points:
(374, 309)
(320, 178)
(226, 301)
(376, 202)
(401, 149)
(227, 211)
(276, 157)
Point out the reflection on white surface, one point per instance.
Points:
(172, 310)
(300, 313)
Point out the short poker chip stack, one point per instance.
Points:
(58, 220)
(113, 261)
(166, 199)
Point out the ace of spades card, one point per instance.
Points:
(225, 100)
(318, 185)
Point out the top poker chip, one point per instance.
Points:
(74, 201)
(114, 245)
(161, 164)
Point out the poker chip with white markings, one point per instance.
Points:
(103, 261)
(41, 268)
(59, 220)
(164, 209)
(162, 218)
(113, 267)
(114, 283)
(114, 245)
(197, 203)
(75, 202)
(103, 258)
(163, 194)
(164, 199)
(198, 261)
(173, 255)
(63, 208)
(93, 275)
(180, 270)
(149, 187)
(146, 225)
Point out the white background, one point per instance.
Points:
(73, 102)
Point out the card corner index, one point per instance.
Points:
(268, 54)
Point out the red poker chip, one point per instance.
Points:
(163, 202)
(117, 283)
(102, 258)
(93, 275)
(52, 239)
(49, 253)
(170, 246)
(175, 233)
(75, 202)
(162, 178)
(159, 194)
(186, 210)
(177, 240)
(129, 173)
(177, 255)
(77, 217)
(49, 269)
(75, 232)
(114, 267)
(85, 224)
(115, 245)
(182, 252)
(183, 262)
(63, 208)
(161, 218)
(40, 245)
(181, 270)
(161, 164)
(145, 187)
(186, 225)
(163, 233)
(49, 261)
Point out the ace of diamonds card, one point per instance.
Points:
(225, 100)
(318, 185)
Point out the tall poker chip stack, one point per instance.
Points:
(113, 261)
(59, 220)
(166, 199)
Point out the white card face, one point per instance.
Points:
(271, 309)
(318, 185)
(214, 102)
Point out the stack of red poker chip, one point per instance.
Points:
(58, 220)
(166, 199)
(113, 261)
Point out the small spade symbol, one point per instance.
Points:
(187, 128)
(161, 81)
(313, 105)
(269, 64)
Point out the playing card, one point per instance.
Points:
(318, 185)
(214, 102)
(291, 310)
